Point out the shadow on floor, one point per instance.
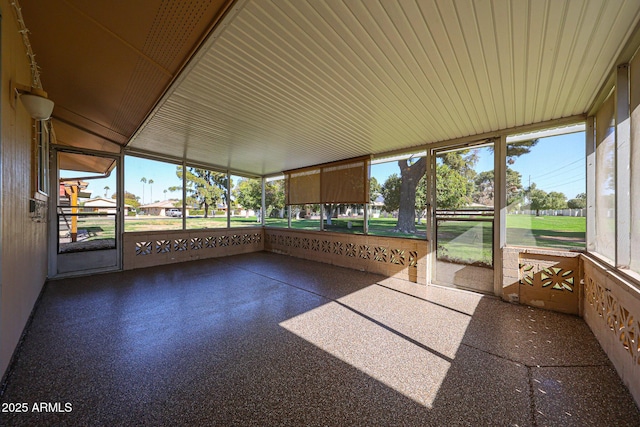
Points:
(265, 339)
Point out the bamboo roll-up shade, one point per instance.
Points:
(303, 187)
(346, 183)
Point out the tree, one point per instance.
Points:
(537, 198)
(451, 188)
(248, 193)
(375, 189)
(390, 192)
(274, 197)
(517, 149)
(463, 162)
(421, 198)
(129, 199)
(151, 188)
(580, 202)
(205, 187)
(556, 200)
(410, 173)
(484, 187)
(514, 187)
(106, 190)
(143, 181)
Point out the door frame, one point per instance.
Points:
(54, 180)
(498, 208)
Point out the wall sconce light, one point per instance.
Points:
(35, 101)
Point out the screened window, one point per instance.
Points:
(207, 199)
(605, 189)
(153, 195)
(546, 191)
(398, 196)
(276, 211)
(305, 217)
(635, 162)
(246, 201)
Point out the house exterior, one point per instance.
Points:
(102, 204)
(160, 208)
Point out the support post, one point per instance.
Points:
(499, 211)
(590, 152)
(74, 213)
(263, 202)
(623, 169)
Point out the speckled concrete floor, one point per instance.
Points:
(264, 339)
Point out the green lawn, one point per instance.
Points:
(377, 226)
(466, 242)
(460, 241)
(562, 232)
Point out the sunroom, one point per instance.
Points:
(483, 146)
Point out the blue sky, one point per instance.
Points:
(555, 164)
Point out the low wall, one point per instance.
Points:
(147, 249)
(390, 256)
(543, 278)
(612, 311)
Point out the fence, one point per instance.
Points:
(552, 212)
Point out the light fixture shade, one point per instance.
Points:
(39, 107)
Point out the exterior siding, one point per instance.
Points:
(23, 242)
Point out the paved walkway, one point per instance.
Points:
(264, 339)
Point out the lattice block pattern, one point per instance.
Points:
(143, 248)
(210, 242)
(395, 257)
(163, 246)
(612, 311)
(149, 249)
(180, 245)
(550, 282)
(196, 243)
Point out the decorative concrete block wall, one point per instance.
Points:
(389, 256)
(543, 278)
(612, 311)
(147, 249)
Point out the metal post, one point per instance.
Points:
(623, 168)
(184, 195)
(590, 151)
(264, 201)
(499, 211)
(228, 199)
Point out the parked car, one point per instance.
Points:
(174, 213)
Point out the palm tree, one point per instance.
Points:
(151, 188)
(165, 194)
(106, 190)
(143, 181)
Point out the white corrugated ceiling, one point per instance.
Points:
(285, 84)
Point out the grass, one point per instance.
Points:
(467, 242)
(562, 232)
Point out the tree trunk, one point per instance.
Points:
(328, 213)
(410, 176)
(206, 210)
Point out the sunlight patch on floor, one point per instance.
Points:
(404, 342)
